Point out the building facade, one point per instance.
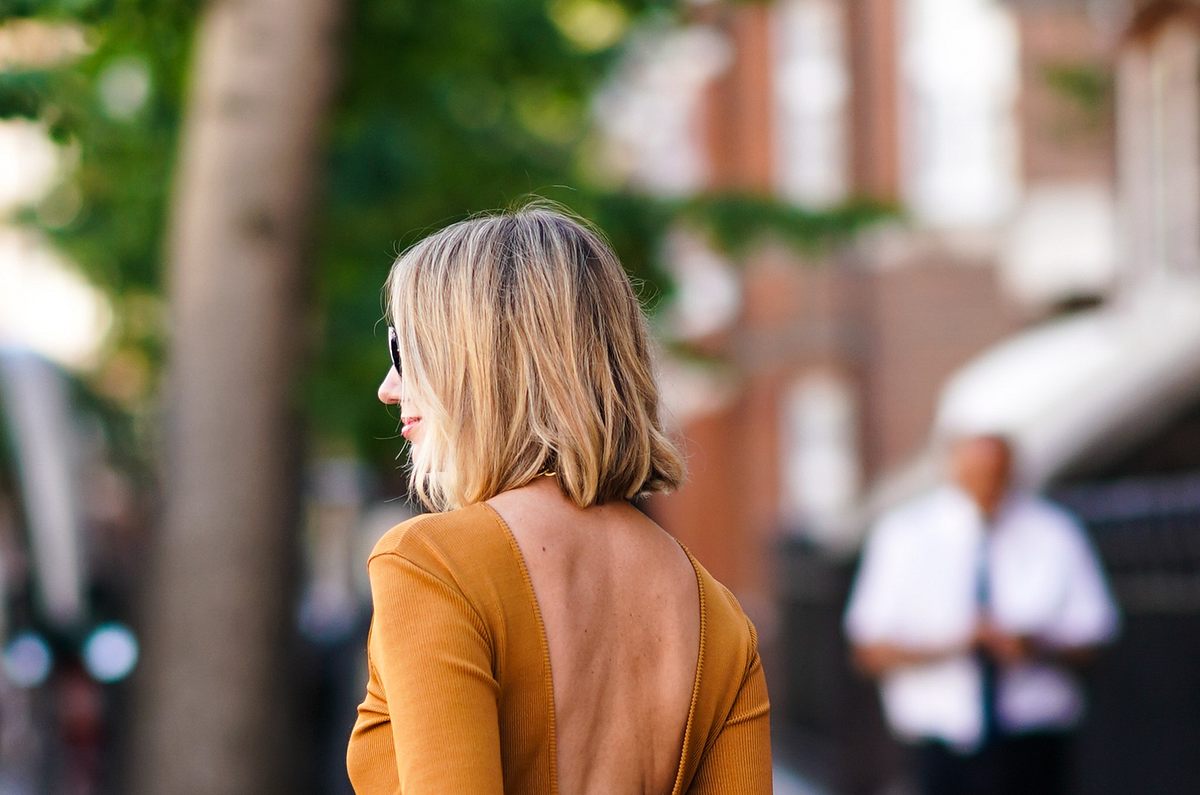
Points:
(1045, 159)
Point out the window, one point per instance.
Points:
(820, 470)
(650, 113)
(959, 81)
(812, 90)
(1158, 130)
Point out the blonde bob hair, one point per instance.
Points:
(527, 352)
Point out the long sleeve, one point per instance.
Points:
(431, 684)
(739, 760)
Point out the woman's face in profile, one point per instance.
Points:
(391, 393)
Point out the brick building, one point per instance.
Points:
(989, 125)
(1046, 156)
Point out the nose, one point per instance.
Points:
(389, 390)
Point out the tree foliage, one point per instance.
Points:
(444, 109)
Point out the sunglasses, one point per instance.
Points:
(394, 349)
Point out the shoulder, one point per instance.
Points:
(1042, 524)
(725, 622)
(1036, 511)
(1038, 505)
(912, 517)
(466, 552)
(918, 509)
(729, 657)
(444, 543)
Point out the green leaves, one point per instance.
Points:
(444, 109)
(1086, 88)
(23, 95)
(736, 223)
(71, 9)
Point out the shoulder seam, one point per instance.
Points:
(454, 588)
(410, 525)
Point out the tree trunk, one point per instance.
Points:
(213, 698)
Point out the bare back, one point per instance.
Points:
(619, 603)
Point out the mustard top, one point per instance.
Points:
(459, 694)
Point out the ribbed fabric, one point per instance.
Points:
(460, 695)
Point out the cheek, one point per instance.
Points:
(410, 406)
(419, 444)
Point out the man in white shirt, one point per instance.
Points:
(973, 607)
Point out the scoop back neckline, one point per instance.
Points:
(548, 684)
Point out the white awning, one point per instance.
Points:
(1079, 388)
(1085, 385)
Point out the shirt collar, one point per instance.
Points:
(963, 502)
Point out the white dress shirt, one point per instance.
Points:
(917, 589)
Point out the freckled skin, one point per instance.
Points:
(619, 602)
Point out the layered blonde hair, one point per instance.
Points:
(527, 351)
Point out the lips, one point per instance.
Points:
(410, 423)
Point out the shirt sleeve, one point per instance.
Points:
(739, 760)
(873, 596)
(1088, 616)
(432, 654)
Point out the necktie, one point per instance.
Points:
(988, 673)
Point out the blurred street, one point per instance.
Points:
(790, 782)
(863, 232)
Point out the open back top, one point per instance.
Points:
(460, 695)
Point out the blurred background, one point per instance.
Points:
(859, 225)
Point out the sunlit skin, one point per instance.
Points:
(982, 468)
(391, 393)
(533, 533)
(559, 538)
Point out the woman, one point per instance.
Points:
(539, 634)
